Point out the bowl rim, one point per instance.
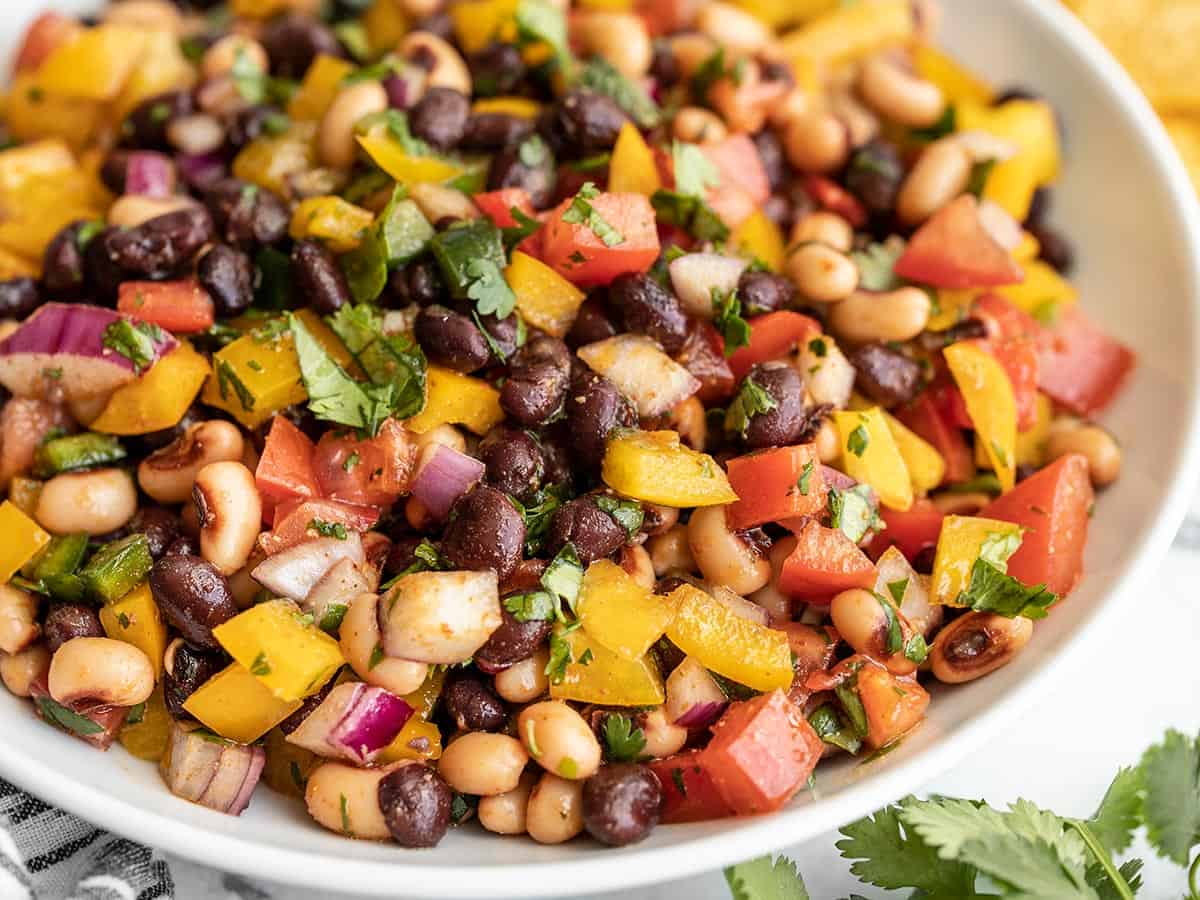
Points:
(599, 872)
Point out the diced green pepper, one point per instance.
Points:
(117, 568)
(76, 451)
(458, 247)
(62, 556)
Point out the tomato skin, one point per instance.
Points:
(767, 485)
(1053, 506)
(894, 706)
(292, 519)
(378, 477)
(182, 306)
(43, 36)
(498, 206)
(1004, 319)
(772, 335)
(911, 531)
(581, 257)
(1081, 367)
(702, 356)
(1019, 357)
(824, 563)
(744, 185)
(833, 197)
(953, 250)
(699, 799)
(285, 469)
(925, 417)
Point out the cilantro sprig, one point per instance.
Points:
(581, 212)
(623, 741)
(727, 319)
(751, 400)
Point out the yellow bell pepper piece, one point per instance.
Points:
(163, 68)
(288, 766)
(1042, 291)
(267, 370)
(850, 33)
(606, 5)
(1011, 184)
(1027, 123)
(925, 465)
(778, 13)
(135, 619)
(1031, 444)
(606, 677)
(23, 539)
(32, 112)
(520, 107)
(958, 83)
(159, 398)
(655, 467)
(870, 455)
(13, 266)
(418, 739)
(991, 405)
(32, 216)
(285, 650)
(1028, 250)
(425, 698)
(331, 220)
(545, 299)
(147, 737)
(619, 613)
(268, 160)
(263, 9)
(952, 307)
(632, 168)
(238, 706)
(95, 63)
(320, 85)
(721, 640)
(477, 22)
(455, 399)
(960, 542)
(385, 24)
(20, 164)
(24, 493)
(390, 156)
(762, 239)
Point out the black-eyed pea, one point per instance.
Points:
(168, 473)
(829, 443)
(559, 739)
(19, 671)
(554, 814)
(220, 58)
(505, 813)
(107, 671)
(822, 274)
(816, 142)
(940, 174)
(977, 643)
(1092, 442)
(697, 125)
(826, 228)
(670, 551)
(732, 28)
(691, 423)
(691, 50)
(153, 15)
(18, 619)
(446, 435)
(230, 509)
(483, 763)
(94, 502)
(448, 69)
(360, 643)
(863, 622)
(345, 799)
(132, 210)
(723, 556)
(619, 37)
(898, 315)
(899, 95)
(525, 681)
(336, 145)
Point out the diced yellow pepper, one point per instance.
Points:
(632, 168)
(147, 737)
(288, 766)
(159, 398)
(477, 22)
(870, 455)
(1043, 289)
(390, 156)
(951, 308)
(93, 64)
(619, 613)
(320, 85)
(959, 543)
(606, 677)
(268, 160)
(163, 68)
(13, 266)
(238, 706)
(1028, 250)
(519, 107)
(925, 465)
(762, 239)
(958, 83)
(1029, 124)
(24, 162)
(655, 467)
(286, 651)
(721, 640)
(991, 404)
(330, 219)
(135, 619)
(545, 299)
(268, 370)
(850, 33)
(1031, 444)
(23, 539)
(455, 399)
(33, 215)
(606, 5)
(24, 493)
(778, 13)
(1011, 184)
(261, 9)
(31, 112)
(425, 698)
(418, 739)
(385, 25)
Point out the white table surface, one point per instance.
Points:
(1119, 696)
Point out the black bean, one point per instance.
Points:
(782, 425)
(1039, 207)
(778, 71)
(512, 642)
(420, 283)
(146, 126)
(770, 151)
(504, 334)
(319, 277)
(311, 702)
(763, 292)
(646, 307)
(162, 246)
(491, 131)
(18, 297)
(245, 214)
(537, 381)
(441, 117)
(966, 330)
(247, 124)
(874, 176)
(587, 122)
(451, 339)
(187, 669)
(294, 40)
(594, 408)
(160, 526)
(528, 165)
(664, 67)
(923, 561)
(591, 324)
(193, 596)
(513, 460)
(113, 169)
(485, 532)
(496, 69)
(182, 546)
(415, 803)
(63, 268)
(102, 276)
(885, 375)
(1055, 249)
(66, 621)
(228, 276)
(595, 534)
(556, 458)
(1015, 92)
(621, 803)
(473, 705)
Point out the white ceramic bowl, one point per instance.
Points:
(1128, 205)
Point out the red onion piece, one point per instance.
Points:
(200, 170)
(294, 572)
(694, 699)
(149, 174)
(702, 714)
(354, 722)
(210, 770)
(835, 478)
(443, 475)
(404, 88)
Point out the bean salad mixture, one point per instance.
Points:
(566, 417)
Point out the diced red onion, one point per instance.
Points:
(293, 572)
(200, 170)
(404, 88)
(739, 605)
(443, 475)
(149, 174)
(694, 276)
(354, 722)
(835, 478)
(339, 585)
(213, 772)
(694, 699)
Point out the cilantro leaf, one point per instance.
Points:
(471, 258)
(560, 653)
(581, 212)
(600, 75)
(727, 319)
(830, 728)
(876, 265)
(328, 529)
(539, 21)
(713, 69)
(947, 124)
(537, 514)
(764, 879)
(623, 742)
(489, 290)
(334, 396)
(392, 360)
(750, 401)
(858, 441)
(977, 180)
(993, 590)
(894, 641)
(1171, 806)
(853, 511)
(564, 577)
(227, 379)
(805, 477)
(694, 172)
(67, 719)
(1119, 813)
(136, 341)
(627, 513)
(525, 227)
(998, 546)
(531, 606)
(693, 214)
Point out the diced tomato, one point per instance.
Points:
(813, 650)
(293, 517)
(285, 469)
(371, 472)
(894, 706)
(577, 253)
(43, 36)
(180, 306)
(688, 791)
(925, 417)
(702, 356)
(911, 531)
(774, 485)
(824, 563)
(954, 250)
(108, 719)
(1081, 367)
(1004, 319)
(951, 404)
(762, 751)
(666, 16)
(744, 185)
(772, 335)
(498, 206)
(1053, 507)
(1019, 357)
(833, 197)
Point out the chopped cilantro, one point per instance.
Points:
(818, 348)
(531, 606)
(560, 653)
(979, 176)
(227, 378)
(832, 730)
(328, 529)
(753, 399)
(600, 75)
(897, 590)
(539, 21)
(564, 575)
(727, 319)
(389, 360)
(581, 212)
(876, 265)
(947, 124)
(67, 719)
(627, 513)
(805, 477)
(853, 511)
(858, 441)
(623, 742)
(351, 462)
(137, 342)
(333, 396)
(260, 666)
(376, 656)
(915, 649)
(894, 637)
(993, 590)
(513, 235)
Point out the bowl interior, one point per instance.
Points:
(1128, 209)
